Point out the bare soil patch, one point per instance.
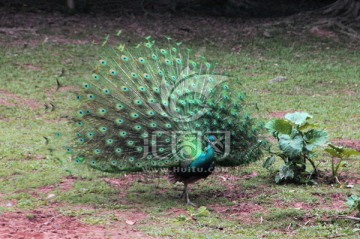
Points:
(32, 67)
(176, 212)
(233, 190)
(350, 178)
(62, 89)
(65, 185)
(123, 184)
(323, 32)
(47, 223)
(12, 100)
(125, 181)
(349, 143)
(335, 203)
(242, 211)
(279, 114)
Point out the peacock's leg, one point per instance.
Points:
(186, 191)
(183, 194)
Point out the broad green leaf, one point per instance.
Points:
(351, 152)
(298, 118)
(200, 212)
(291, 146)
(344, 164)
(284, 173)
(336, 147)
(354, 202)
(333, 152)
(294, 133)
(277, 178)
(279, 126)
(341, 152)
(315, 138)
(269, 162)
(308, 126)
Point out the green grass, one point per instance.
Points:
(323, 80)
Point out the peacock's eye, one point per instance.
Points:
(141, 60)
(113, 72)
(96, 77)
(168, 62)
(147, 76)
(178, 61)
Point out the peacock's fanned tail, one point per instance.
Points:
(151, 107)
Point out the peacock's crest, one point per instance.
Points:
(153, 107)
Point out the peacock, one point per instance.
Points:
(150, 107)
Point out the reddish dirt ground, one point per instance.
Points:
(244, 212)
(336, 202)
(12, 100)
(65, 185)
(349, 143)
(49, 224)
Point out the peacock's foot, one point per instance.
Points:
(188, 202)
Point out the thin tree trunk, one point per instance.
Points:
(71, 4)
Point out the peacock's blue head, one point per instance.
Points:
(212, 142)
(212, 138)
(211, 147)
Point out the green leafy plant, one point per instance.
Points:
(339, 156)
(200, 212)
(194, 214)
(354, 203)
(297, 140)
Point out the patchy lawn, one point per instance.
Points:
(290, 68)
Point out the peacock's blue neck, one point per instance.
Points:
(210, 154)
(205, 159)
